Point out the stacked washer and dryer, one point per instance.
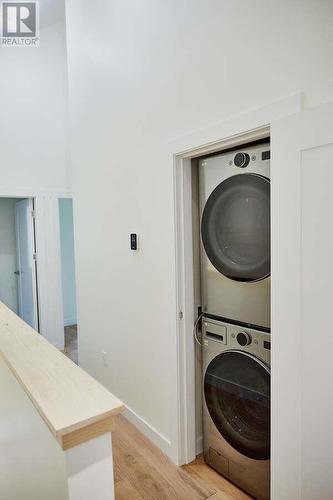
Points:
(235, 282)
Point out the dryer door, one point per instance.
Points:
(237, 394)
(235, 227)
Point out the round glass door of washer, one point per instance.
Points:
(235, 227)
(237, 395)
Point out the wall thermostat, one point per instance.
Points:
(134, 241)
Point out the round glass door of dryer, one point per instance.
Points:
(237, 395)
(235, 227)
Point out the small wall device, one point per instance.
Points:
(134, 241)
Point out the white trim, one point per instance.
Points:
(208, 140)
(148, 430)
(185, 304)
(238, 129)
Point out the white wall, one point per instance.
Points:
(8, 262)
(33, 144)
(142, 73)
(33, 107)
(67, 260)
(25, 442)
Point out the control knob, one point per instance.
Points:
(241, 160)
(244, 339)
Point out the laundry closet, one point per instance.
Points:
(231, 255)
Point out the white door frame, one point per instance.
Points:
(47, 236)
(238, 130)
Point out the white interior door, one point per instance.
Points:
(302, 305)
(26, 269)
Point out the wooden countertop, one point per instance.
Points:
(73, 404)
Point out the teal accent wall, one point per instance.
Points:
(67, 260)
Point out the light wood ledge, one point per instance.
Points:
(73, 404)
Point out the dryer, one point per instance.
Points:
(235, 235)
(236, 412)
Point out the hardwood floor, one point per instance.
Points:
(143, 472)
(71, 343)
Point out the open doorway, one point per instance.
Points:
(68, 277)
(18, 266)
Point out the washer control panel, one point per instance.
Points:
(219, 334)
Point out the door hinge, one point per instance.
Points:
(180, 315)
(33, 214)
(34, 256)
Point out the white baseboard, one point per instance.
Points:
(70, 321)
(148, 430)
(199, 445)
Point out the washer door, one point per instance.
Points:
(237, 394)
(235, 227)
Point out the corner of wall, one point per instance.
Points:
(149, 431)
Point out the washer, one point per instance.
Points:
(236, 410)
(235, 235)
